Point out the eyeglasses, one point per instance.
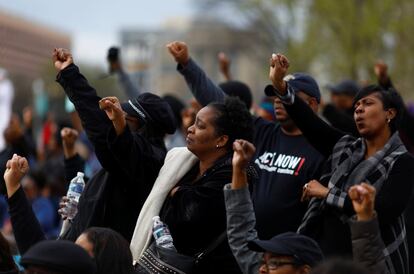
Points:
(273, 264)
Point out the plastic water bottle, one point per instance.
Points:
(162, 234)
(74, 192)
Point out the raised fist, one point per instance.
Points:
(243, 153)
(16, 168)
(179, 51)
(279, 66)
(114, 111)
(224, 63)
(112, 108)
(363, 200)
(381, 70)
(69, 137)
(61, 58)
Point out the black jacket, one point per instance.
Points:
(196, 216)
(114, 196)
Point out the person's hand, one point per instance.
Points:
(363, 200)
(243, 153)
(16, 168)
(113, 110)
(224, 64)
(381, 70)
(62, 58)
(279, 66)
(114, 60)
(314, 189)
(179, 51)
(69, 137)
(62, 207)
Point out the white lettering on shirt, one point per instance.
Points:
(283, 164)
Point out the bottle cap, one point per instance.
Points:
(80, 174)
(155, 218)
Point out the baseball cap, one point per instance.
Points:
(302, 248)
(299, 82)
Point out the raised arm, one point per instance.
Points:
(86, 101)
(367, 244)
(224, 65)
(131, 90)
(26, 228)
(340, 119)
(381, 72)
(73, 162)
(115, 66)
(130, 148)
(203, 89)
(318, 133)
(241, 220)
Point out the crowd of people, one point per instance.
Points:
(290, 185)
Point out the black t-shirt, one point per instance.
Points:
(285, 163)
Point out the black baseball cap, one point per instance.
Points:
(299, 82)
(303, 249)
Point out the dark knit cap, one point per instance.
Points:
(62, 256)
(150, 108)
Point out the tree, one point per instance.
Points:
(342, 38)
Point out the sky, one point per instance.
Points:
(94, 24)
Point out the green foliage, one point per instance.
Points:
(343, 38)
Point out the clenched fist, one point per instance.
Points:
(279, 66)
(62, 58)
(113, 110)
(363, 200)
(179, 51)
(69, 137)
(16, 168)
(243, 153)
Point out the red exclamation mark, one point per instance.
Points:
(300, 166)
